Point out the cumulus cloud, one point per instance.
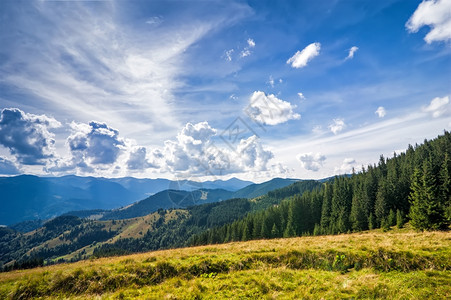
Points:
(301, 96)
(351, 52)
(346, 167)
(252, 154)
(189, 149)
(195, 153)
(27, 136)
(92, 146)
(437, 15)
(251, 43)
(269, 110)
(99, 143)
(311, 161)
(301, 58)
(337, 125)
(138, 160)
(438, 106)
(8, 167)
(380, 112)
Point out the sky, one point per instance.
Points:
(207, 90)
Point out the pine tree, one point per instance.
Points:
(427, 211)
(289, 231)
(418, 208)
(391, 218)
(380, 207)
(445, 187)
(274, 231)
(371, 225)
(358, 218)
(399, 219)
(326, 208)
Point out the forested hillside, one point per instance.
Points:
(70, 238)
(412, 186)
(200, 218)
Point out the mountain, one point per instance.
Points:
(259, 189)
(68, 237)
(168, 199)
(182, 199)
(27, 197)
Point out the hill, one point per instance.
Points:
(69, 238)
(168, 199)
(27, 197)
(369, 265)
(182, 199)
(413, 186)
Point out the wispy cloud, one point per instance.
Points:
(301, 58)
(84, 64)
(351, 53)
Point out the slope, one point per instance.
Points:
(369, 265)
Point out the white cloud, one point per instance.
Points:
(381, 112)
(337, 125)
(301, 58)
(228, 54)
(154, 21)
(438, 106)
(245, 53)
(437, 15)
(271, 81)
(346, 167)
(269, 110)
(93, 148)
(27, 136)
(252, 155)
(195, 153)
(311, 161)
(251, 43)
(94, 59)
(138, 160)
(351, 52)
(317, 129)
(301, 96)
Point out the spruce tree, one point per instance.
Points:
(391, 218)
(418, 208)
(399, 219)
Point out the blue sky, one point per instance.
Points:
(219, 89)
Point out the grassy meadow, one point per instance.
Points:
(399, 264)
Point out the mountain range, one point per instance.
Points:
(28, 197)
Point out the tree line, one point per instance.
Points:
(413, 186)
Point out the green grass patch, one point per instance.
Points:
(400, 265)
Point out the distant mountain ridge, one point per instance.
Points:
(182, 199)
(28, 197)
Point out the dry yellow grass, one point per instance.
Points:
(265, 277)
